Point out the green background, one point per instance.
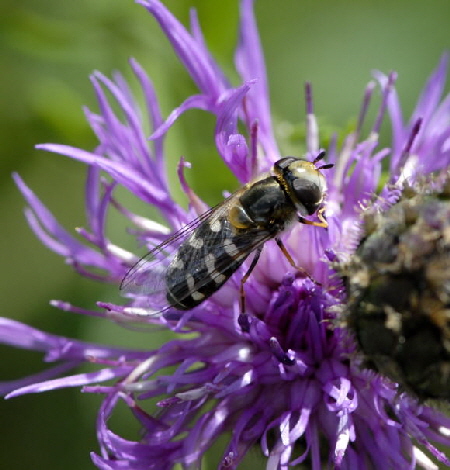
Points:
(49, 48)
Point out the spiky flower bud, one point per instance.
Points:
(399, 291)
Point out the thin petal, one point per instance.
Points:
(250, 64)
(72, 381)
(189, 50)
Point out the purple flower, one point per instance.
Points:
(291, 383)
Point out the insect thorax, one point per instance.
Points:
(264, 205)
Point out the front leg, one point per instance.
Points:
(292, 262)
(323, 223)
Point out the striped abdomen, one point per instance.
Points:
(204, 262)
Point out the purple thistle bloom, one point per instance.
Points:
(292, 383)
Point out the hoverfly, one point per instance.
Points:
(196, 261)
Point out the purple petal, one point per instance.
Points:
(72, 381)
(57, 347)
(231, 145)
(195, 101)
(8, 389)
(432, 92)
(250, 64)
(121, 173)
(190, 51)
(50, 232)
(155, 115)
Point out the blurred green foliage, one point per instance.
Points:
(49, 48)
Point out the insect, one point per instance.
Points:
(196, 261)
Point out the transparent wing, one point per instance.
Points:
(227, 261)
(145, 276)
(146, 280)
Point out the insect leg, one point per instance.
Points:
(292, 262)
(245, 277)
(323, 223)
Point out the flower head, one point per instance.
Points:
(289, 381)
(397, 286)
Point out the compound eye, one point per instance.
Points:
(308, 194)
